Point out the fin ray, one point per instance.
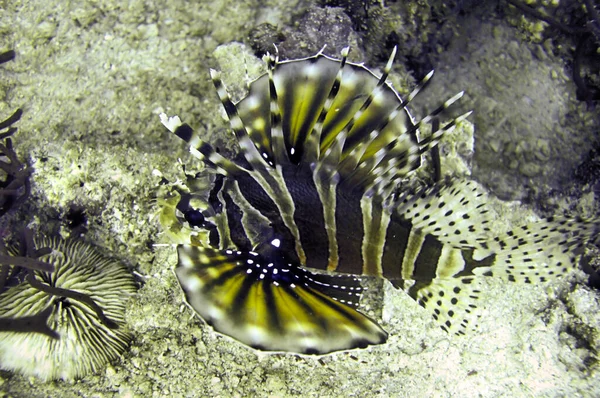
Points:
(451, 212)
(272, 305)
(452, 302)
(537, 252)
(200, 149)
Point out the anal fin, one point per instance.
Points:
(452, 302)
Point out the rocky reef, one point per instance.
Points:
(92, 77)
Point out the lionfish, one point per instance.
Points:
(271, 243)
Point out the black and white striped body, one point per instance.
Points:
(324, 144)
(367, 235)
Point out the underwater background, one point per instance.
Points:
(92, 78)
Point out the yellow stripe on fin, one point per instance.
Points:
(267, 303)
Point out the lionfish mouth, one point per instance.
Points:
(324, 144)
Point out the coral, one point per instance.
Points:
(587, 35)
(14, 179)
(15, 268)
(328, 26)
(14, 189)
(14, 184)
(66, 323)
(61, 303)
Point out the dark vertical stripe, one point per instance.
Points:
(273, 318)
(471, 264)
(234, 222)
(241, 304)
(413, 291)
(427, 260)
(213, 237)
(396, 240)
(258, 198)
(213, 199)
(262, 202)
(350, 231)
(308, 215)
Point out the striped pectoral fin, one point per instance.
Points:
(452, 302)
(271, 305)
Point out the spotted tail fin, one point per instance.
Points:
(541, 251)
(451, 224)
(269, 304)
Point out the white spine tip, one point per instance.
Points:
(214, 74)
(390, 61)
(463, 116)
(171, 123)
(457, 97)
(393, 54)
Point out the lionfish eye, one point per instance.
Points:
(194, 217)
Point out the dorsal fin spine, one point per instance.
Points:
(278, 146)
(388, 66)
(365, 105)
(248, 147)
(432, 140)
(352, 160)
(313, 142)
(364, 174)
(200, 149)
